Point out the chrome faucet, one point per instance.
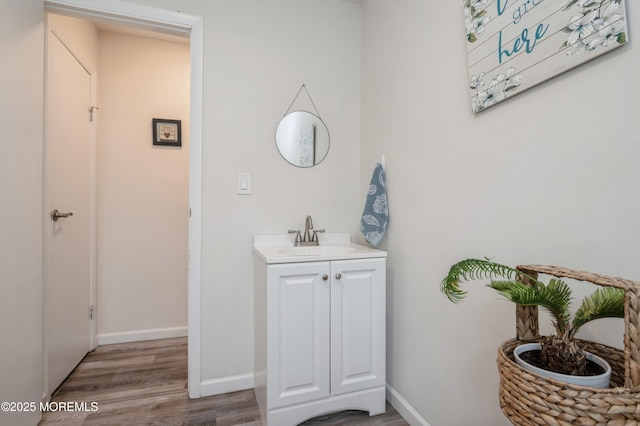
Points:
(307, 238)
(308, 224)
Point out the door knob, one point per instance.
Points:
(325, 277)
(338, 275)
(55, 215)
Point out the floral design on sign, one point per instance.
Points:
(597, 25)
(475, 18)
(496, 91)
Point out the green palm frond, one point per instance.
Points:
(506, 288)
(473, 269)
(606, 302)
(555, 297)
(558, 294)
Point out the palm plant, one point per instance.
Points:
(560, 352)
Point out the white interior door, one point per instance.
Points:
(68, 189)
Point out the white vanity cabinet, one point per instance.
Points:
(320, 337)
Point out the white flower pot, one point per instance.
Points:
(600, 381)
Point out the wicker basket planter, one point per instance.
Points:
(529, 399)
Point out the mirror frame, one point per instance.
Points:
(315, 132)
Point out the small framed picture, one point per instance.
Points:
(167, 132)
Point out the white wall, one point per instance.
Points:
(21, 85)
(142, 190)
(257, 55)
(549, 176)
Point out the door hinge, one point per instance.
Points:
(91, 312)
(92, 109)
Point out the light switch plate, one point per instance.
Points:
(244, 183)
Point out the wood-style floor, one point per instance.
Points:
(145, 383)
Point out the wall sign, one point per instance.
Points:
(512, 45)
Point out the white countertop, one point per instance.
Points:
(332, 246)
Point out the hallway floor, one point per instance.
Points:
(145, 383)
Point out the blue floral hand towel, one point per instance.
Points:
(376, 210)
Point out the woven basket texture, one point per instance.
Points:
(529, 399)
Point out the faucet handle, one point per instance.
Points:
(315, 234)
(298, 237)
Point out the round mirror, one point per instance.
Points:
(302, 139)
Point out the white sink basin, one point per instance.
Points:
(316, 250)
(274, 249)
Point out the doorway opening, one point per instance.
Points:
(168, 23)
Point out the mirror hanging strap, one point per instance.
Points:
(296, 97)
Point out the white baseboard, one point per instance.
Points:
(226, 384)
(404, 408)
(139, 335)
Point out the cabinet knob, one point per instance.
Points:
(325, 277)
(338, 276)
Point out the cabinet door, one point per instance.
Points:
(298, 333)
(358, 311)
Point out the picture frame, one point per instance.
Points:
(167, 132)
(514, 45)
